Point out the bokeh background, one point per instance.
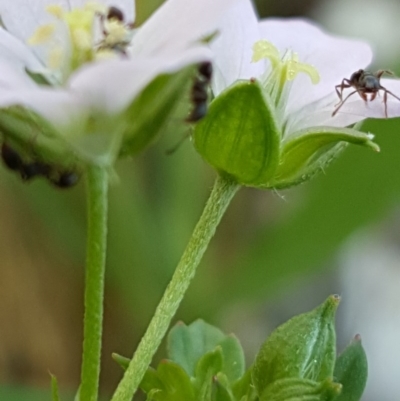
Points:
(274, 255)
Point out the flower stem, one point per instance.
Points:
(221, 195)
(97, 190)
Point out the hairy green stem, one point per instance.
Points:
(97, 191)
(221, 195)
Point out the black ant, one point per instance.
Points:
(199, 97)
(199, 92)
(364, 82)
(35, 168)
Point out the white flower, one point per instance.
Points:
(295, 53)
(67, 45)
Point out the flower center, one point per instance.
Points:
(284, 69)
(81, 35)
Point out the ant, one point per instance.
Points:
(35, 168)
(199, 92)
(198, 97)
(363, 82)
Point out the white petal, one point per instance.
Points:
(352, 111)
(14, 77)
(334, 57)
(57, 106)
(238, 32)
(177, 24)
(111, 85)
(15, 52)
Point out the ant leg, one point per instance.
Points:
(345, 84)
(341, 103)
(379, 73)
(385, 103)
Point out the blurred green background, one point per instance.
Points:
(274, 254)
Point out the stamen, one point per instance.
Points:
(42, 35)
(263, 49)
(55, 10)
(294, 67)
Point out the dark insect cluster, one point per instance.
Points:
(199, 92)
(364, 83)
(111, 41)
(34, 168)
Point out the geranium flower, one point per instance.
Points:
(296, 66)
(80, 68)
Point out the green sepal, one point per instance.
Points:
(351, 370)
(309, 151)
(33, 137)
(239, 136)
(295, 389)
(187, 344)
(55, 396)
(149, 113)
(304, 347)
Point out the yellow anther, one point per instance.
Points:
(55, 10)
(42, 35)
(263, 49)
(294, 66)
(95, 7)
(117, 32)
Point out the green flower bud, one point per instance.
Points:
(304, 347)
(243, 136)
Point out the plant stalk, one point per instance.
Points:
(223, 191)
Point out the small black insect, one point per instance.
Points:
(364, 83)
(36, 168)
(199, 92)
(65, 179)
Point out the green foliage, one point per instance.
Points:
(149, 113)
(54, 389)
(188, 346)
(308, 152)
(296, 363)
(351, 370)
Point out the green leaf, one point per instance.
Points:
(234, 362)
(304, 153)
(168, 383)
(239, 135)
(187, 344)
(149, 113)
(243, 388)
(54, 388)
(304, 347)
(351, 370)
(220, 389)
(208, 366)
(295, 389)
